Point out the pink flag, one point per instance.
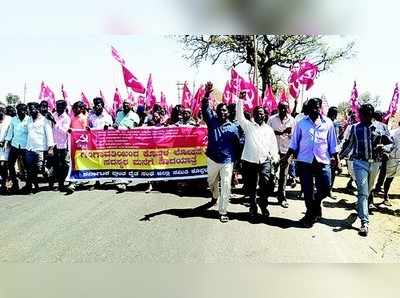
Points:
(116, 55)
(283, 97)
(117, 103)
(303, 73)
(132, 81)
(163, 101)
(354, 100)
(236, 81)
(150, 97)
(141, 100)
(393, 104)
(48, 95)
(252, 98)
(106, 105)
(186, 96)
(307, 74)
(269, 100)
(85, 101)
(227, 95)
(196, 104)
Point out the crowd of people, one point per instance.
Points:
(264, 148)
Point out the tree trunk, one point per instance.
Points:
(266, 77)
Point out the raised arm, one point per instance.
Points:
(239, 112)
(205, 104)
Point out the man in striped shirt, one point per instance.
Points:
(366, 142)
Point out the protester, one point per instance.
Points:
(126, 118)
(187, 118)
(79, 120)
(16, 138)
(39, 140)
(282, 124)
(332, 114)
(260, 155)
(378, 116)
(11, 111)
(392, 166)
(99, 118)
(44, 110)
(222, 148)
(314, 143)
(365, 142)
(60, 134)
(5, 121)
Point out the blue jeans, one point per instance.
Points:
(364, 174)
(318, 175)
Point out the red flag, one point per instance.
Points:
(131, 81)
(186, 96)
(150, 97)
(117, 103)
(227, 95)
(85, 101)
(393, 104)
(252, 98)
(116, 55)
(269, 101)
(196, 106)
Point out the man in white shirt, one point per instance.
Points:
(282, 124)
(99, 118)
(260, 155)
(40, 140)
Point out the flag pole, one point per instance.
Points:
(255, 80)
(24, 91)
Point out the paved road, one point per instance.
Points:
(101, 226)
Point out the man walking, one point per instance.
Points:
(366, 142)
(260, 154)
(282, 124)
(314, 144)
(223, 143)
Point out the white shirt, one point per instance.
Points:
(4, 125)
(278, 125)
(40, 134)
(98, 122)
(260, 141)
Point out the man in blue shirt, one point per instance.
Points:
(314, 145)
(222, 150)
(16, 138)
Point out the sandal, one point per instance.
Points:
(224, 218)
(386, 202)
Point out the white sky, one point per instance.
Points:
(66, 43)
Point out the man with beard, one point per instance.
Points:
(314, 144)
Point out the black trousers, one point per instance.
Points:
(60, 164)
(15, 153)
(262, 174)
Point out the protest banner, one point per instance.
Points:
(139, 154)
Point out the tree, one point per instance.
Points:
(274, 52)
(12, 99)
(364, 98)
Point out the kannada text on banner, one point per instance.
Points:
(146, 154)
